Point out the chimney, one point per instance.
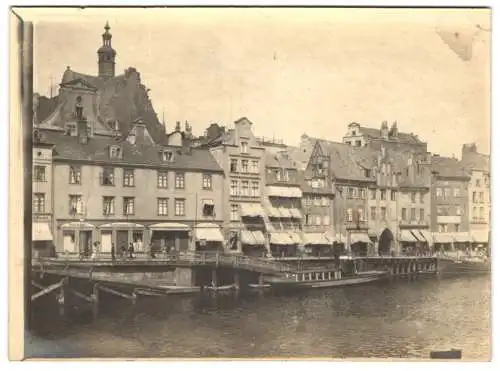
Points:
(384, 130)
(178, 126)
(394, 129)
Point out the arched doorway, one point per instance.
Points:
(385, 242)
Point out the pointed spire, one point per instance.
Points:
(106, 27)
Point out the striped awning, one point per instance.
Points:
(286, 192)
(418, 236)
(407, 236)
(480, 236)
(251, 210)
(360, 237)
(41, 232)
(315, 239)
(442, 237)
(427, 236)
(281, 238)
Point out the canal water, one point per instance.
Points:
(401, 319)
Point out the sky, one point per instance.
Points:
(291, 71)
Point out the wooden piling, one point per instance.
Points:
(236, 280)
(95, 300)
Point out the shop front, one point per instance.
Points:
(428, 246)
(443, 242)
(77, 239)
(42, 240)
(481, 241)
(408, 242)
(253, 243)
(360, 243)
(208, 237)
(169, 237)
(116, 239)
(282, 245)
(317, 244)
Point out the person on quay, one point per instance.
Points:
(113, 257)
(131, 250)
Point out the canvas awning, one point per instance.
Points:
(169, 227)
(316, 239)
(462, 237)
(272, 211)
(417, 235)
(296, 214)
(252, 238)
(281, 238)
(77, 225)
(208, 202)
(442, 238)
(480, 236)
(285, 212)
(360, 237)
(41, 232)
(407, 236)
(123, 225)
(295, 237)
(208, 232)
(427, 236)
(251, 210)
(287, 192)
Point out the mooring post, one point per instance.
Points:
(261, 279)
(95, 299)
(214, 278)
(61, 300)
(236, 280)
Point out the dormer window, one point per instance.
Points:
(367, 173)
(115, 152)
(167, 156)
(354, 132)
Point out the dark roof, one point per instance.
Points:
(401, 137)
(476, 161)
(448, 167)
(279, 160)
(97, 150)
(122, 98)
(344, 160)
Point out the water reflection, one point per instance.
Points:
(403, 319)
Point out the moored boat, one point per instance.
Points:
(259, 286)
(464, 265)
(324, 279)
(220, 288)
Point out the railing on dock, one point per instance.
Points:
(175, 259)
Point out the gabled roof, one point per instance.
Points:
(279, 160)
(97, 150)
(343, 161)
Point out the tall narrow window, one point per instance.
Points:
(422, 217)
(39, 203)
(413, 197)
(234, 166)
(235, 215)
(393, 195)
(128, 205)
(373, 213)
(75, 174)
(128, 178)
(383, 212)
(255, 189)
(207, 181)
(162, 204)
(162, 179)
(412, 213)
(233, 188)
(244, 188)
(382, 194)
(255, 166)
(108, 176)
(244, 147)
(180, 207)
(349, 215)
(244, 166)
(75, 204)
(108, 205)
(403, 214)
(39, 174)
(179, 180)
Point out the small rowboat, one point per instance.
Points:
(220, 288)
(257, 286)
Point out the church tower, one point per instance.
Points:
(106, 55)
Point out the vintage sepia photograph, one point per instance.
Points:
(255, 182)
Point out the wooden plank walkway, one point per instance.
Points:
(260, 265)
